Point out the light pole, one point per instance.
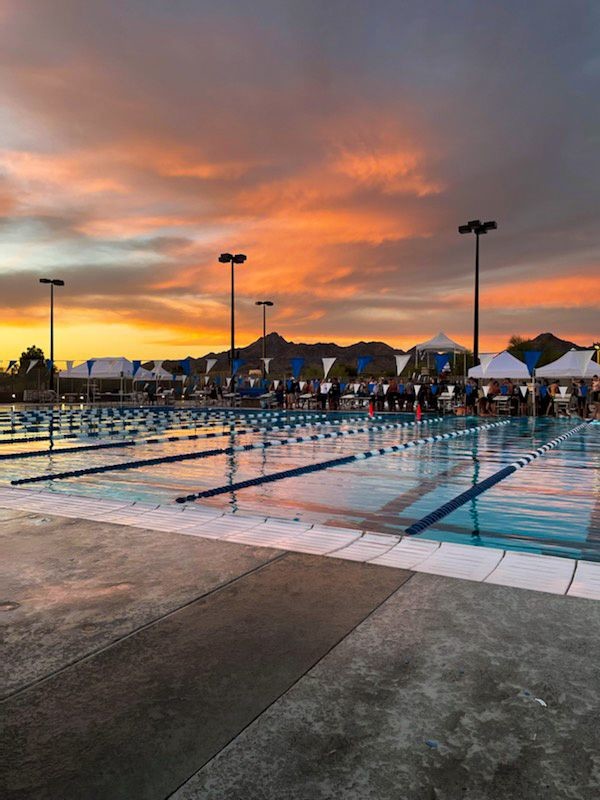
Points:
(264, 304)
(229, 258)
(53, 282)
(478, 228)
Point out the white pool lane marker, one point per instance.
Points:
(488, 565)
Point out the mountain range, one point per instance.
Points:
(282, 351)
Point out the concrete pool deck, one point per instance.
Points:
(144, 663)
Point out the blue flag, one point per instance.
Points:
(90, 364)
(441, 359)
(297, 364)
(135, 365)
(531, 359)
(362, 362)
(49, 364)
(186, 365)
(237, 363)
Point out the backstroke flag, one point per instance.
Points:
(297, 364)
(362, 362)
(210, 362)
(441, 359)
(237, 363)
(327, 365)
(531, 359)
(401, 362)
(135, 365)
(484, 360)
(32, 364)
(266, 362)
(49, 364)
(186, 365)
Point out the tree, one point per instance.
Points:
(516, 343)
(31, 354)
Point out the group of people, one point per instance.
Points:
(579, 397)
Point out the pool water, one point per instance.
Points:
(550, 506)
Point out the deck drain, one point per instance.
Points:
(8, 605)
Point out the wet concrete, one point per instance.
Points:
(138, 719)
(433, 698)
(81, 585)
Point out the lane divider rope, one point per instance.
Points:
(335, 462)
(194, 437)
(126, 465)
(483, 486)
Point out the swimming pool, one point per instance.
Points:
(551, 506)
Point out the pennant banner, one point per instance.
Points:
(49, 364)
(237, 363)
(210, 362)
(276, 384)
(11, 364)
(563, 390)
(186, 365)
(32, 364)
(327, 365)
(451, 390)
(227, 382)
(362, 363)
(484, 360)
(135, 365)
(401, 362)
(206, 379)
(523, 390)
(302, 384)
(417, 389)
(266, 362)
(531, 359)
(297, 364)
(441, 359)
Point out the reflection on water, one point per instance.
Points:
(553, 505)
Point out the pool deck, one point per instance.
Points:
(144, 663)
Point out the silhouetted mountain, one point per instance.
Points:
(283, 351)
(550, 346)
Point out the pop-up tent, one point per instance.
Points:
(574, 364)
(503, 365)
(593, 368)
(440, 344)
(108, 368)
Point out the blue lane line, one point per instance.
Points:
(483, 486)
(334, 462)
(77, 473)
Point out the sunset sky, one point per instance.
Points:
(337, 144)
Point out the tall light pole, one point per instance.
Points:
(478, 228)
(53, 282)
(264, 304)
(229, 258)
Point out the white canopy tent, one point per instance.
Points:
(440, 344)
(108, 368)
(503, 365)
(574, 364)
(593, 368)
